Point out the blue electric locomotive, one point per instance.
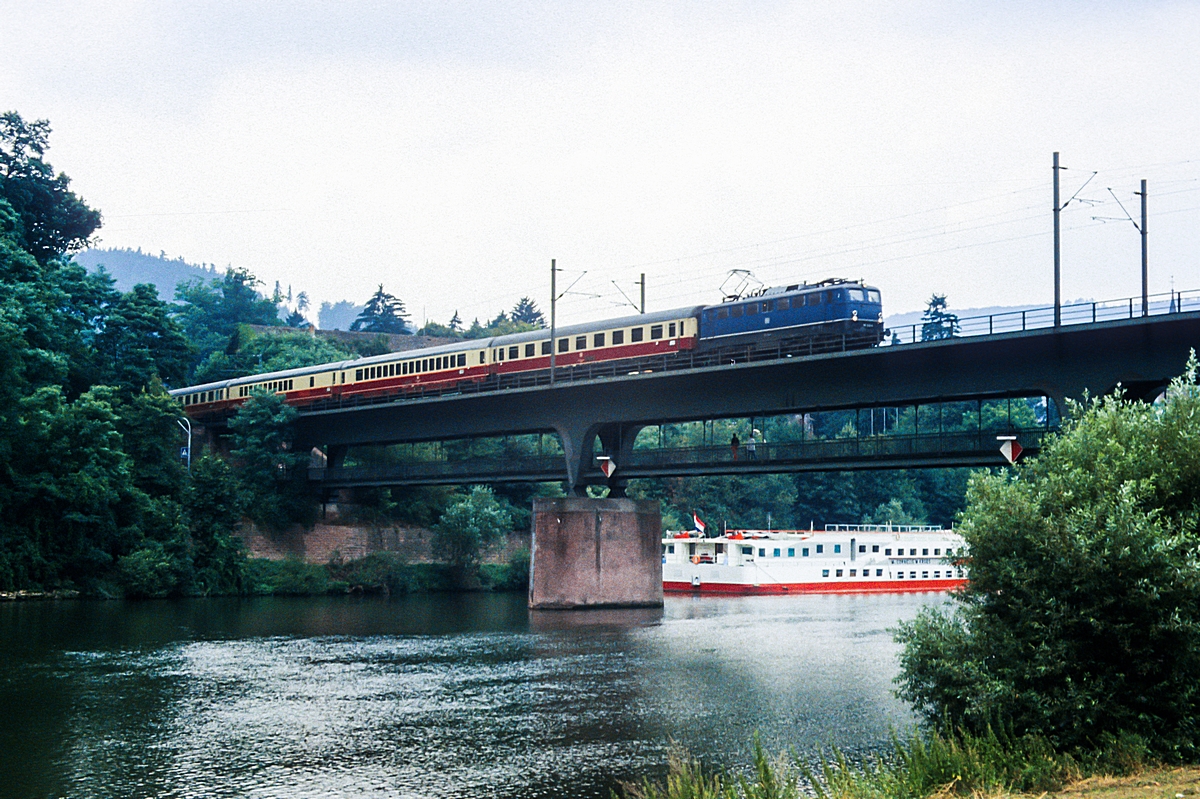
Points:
(831, 307)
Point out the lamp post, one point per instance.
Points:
(186, 425)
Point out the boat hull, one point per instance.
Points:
(825, 587)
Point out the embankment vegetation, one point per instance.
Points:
(1075, 648)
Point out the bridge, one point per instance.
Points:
(1098, 347)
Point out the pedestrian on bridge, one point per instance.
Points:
(751, 446)
(734, 443)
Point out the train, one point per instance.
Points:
(779, 320)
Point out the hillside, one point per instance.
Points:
(130, 267)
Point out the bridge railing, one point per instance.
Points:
(1079, 313)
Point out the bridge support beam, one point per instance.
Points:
(595, 553)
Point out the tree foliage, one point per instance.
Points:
(467, 526)
(384, 313)
(1081, 621)
(526, 312)
(272, 474)
(937, 322)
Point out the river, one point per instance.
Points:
(429, 696)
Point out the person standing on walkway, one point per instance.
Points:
(734, 443)
(751, 446)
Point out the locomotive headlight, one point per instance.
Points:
(854, 316)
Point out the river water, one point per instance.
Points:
(429, 696)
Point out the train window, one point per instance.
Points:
(872, 296)
(424, 364)
(598, 340)
(581, 342)
(530, 350)
(483, 356)
(722, 313)
(514, 352)
(751, 308)
(618, 337)
(857, 295)
(656, 332)
(312, 381)
(813, 299)
(768, 306)
(635, 334)
(736, 312)
(343, 378)
(562, 344)
(358, 374)
(829, 296)
(545, 348)
(671, 330)
(462, 359)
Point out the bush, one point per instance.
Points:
(149, 572)
(290, 577)
(466, 527)
(1081, 621)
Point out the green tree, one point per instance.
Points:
(466, 527)
(51, 219)
(937, 322)
(1081, 620)
(273, 476)
(139, 341)
(211, 312)
(249, 353)
(214, 505)
(384, 313)
(526, 312)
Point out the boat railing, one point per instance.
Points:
(884, 528)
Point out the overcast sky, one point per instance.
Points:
(450, 150)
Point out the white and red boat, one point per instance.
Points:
(841, 559)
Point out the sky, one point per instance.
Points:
(449, 150)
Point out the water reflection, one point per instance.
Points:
(436, 696)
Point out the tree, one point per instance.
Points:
(526, 311)
(1081, 620)
(139, 341)
(52, 220)
(296, 319)
(466, 527)
(272, 474)
(937, 322)
(383, 313)
(455, 323)
(210, 312)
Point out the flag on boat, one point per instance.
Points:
(699, 524)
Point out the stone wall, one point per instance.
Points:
(324, 542)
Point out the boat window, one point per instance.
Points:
(837, 548)
(937, 551)
(879, 572)
(736, 312)
(820, 548)
(854, 572)
(691, 549)
(720, 548)
(747, 550)
(722, 313)
(671, 548)
(924, 575)
(912, 575)
(824, 572)
(887, 551)
(598, 340)
(899, 575)
(937, 575)
(656, 332)
(618, 337)
(636, 334)
(545, 348)
(862, 548)
(530, 350)
(776, 554)
(924, 551)
(875, 547)
(912, 551)
(804, 552)
(791, 552)
(839, 573)
(581, 342)
(762, 553)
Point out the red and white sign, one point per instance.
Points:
(607, 465)
(1010, 449)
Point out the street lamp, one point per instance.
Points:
(186, 425)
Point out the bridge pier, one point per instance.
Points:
(595, 553)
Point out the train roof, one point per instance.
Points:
(603, 324)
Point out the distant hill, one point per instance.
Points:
(130, 267)
(338, 315)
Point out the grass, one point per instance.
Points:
(936, 766)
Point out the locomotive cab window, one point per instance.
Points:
(752, 308)
(872, 296)
(813, 299)
(722, 313)
(736, 312)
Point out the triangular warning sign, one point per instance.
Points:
(608, 466)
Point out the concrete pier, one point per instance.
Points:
(595, 553)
